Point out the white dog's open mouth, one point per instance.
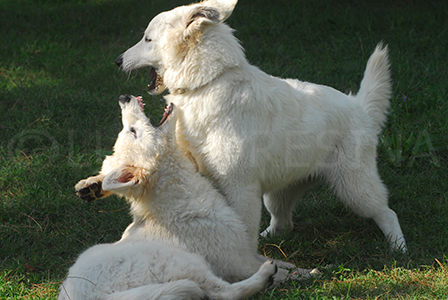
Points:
(166, 114)
(140, 102)
(156, 85)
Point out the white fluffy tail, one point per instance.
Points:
(376, 87)
(175, 290)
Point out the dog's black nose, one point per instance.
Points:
(119, 60)
(124, 98)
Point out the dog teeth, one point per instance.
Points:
(168, 108)
(140, 101)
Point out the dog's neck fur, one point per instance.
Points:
(184, 91)
(183, 94)
(176, 191)
(225, 55)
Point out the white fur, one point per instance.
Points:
(152, 270)
(183, 234)
(255, 134)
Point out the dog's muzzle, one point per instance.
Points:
(124, 99)
(119, 60)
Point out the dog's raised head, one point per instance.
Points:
(186, 47)
(138, 148)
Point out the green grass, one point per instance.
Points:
(58, 103)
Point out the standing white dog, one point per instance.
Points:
(155, 259)
(255, 134)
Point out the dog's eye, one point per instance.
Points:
(134, 133)
(147, 39)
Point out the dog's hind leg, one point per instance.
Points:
(360, 188)
(281, 203)
(217, 288)
(184, 289)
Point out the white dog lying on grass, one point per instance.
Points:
(177, 216)
(255, 134)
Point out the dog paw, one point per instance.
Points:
(268, 270)
(271, 232)
(89, 190)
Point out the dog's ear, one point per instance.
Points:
(121, 179)
(199, 20)
(225, 7)
(208, 13)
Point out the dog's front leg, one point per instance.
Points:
(90, 189)
(245, 200)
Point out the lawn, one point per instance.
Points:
(60, 116)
